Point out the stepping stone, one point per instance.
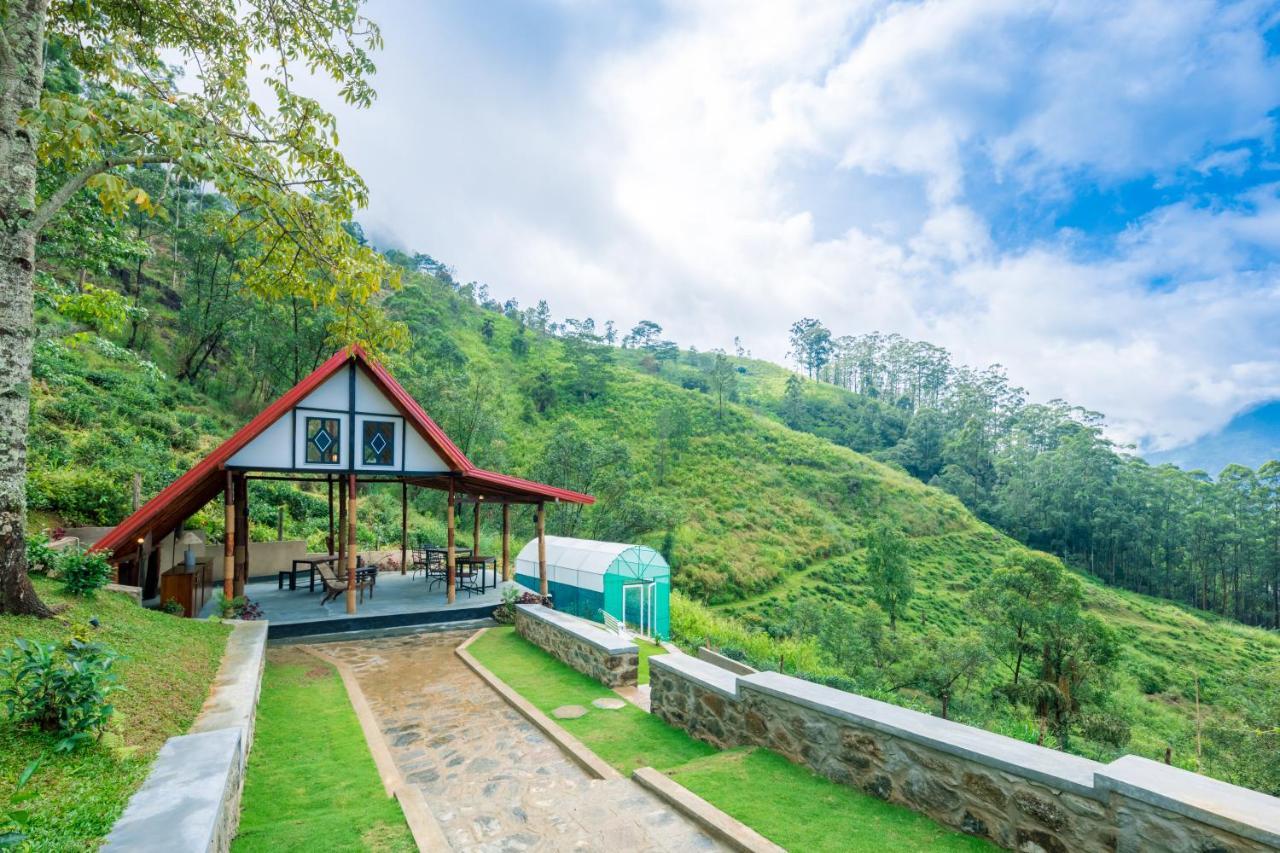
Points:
(569, 712)
(609, 704)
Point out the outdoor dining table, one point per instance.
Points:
(439, 556)
(310, 563)
(483, 563)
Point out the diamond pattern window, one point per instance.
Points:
(379, 443)
(324, 436)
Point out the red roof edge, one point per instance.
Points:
(550, 492)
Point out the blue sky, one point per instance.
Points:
(1085, 192)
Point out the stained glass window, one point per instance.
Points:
(379, 442)
(323, 440)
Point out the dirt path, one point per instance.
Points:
(492, 780)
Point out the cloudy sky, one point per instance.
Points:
(1087, 193)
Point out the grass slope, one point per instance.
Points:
(311, 783)
(783, 801)
(168, 666)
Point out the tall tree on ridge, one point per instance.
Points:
(888, 571)
(277, 162)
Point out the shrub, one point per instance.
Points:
(1105, 728)
(239, 607)
(41, 559)
(84, 573)
(63, 689)
(505, 614)
(172, 607)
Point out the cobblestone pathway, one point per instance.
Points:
(492, 780)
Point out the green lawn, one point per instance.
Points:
(627, 738)
(783, 801)
(166, 671)
(646, 650)
(311, 783)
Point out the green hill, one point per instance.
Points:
(757, 519)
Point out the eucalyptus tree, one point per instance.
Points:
(235, 120)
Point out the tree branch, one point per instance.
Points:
(63, 194)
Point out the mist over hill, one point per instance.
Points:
(1251, 438)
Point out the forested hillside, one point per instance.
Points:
(789, 547)
(1044, 473)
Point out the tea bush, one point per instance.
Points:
(63, 689)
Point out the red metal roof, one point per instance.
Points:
(187, 494)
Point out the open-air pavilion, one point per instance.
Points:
(348, 423)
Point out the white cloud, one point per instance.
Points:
(651, 171)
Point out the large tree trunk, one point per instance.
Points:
(21, 78)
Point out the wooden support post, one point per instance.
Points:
(242, 533)
(342, 527)
(229, 538)
(451, 565)
(542, 550)
(506, 542)
(475, 533)
(280, 523)
(329, 479)
(351, 544)
(404, 526)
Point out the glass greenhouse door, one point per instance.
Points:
(637, 607)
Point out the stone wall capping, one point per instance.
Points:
(724, 662)
(191, 797)
(701, 672)
(1245, 812)
(1057, 769)
(190, 800)
(233, 700)
(600, 638)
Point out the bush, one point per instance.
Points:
(41, 559)
(505, 614)
(62, 689)
(84, 573)
(1105, 728)
(239, 607)
(172, 607)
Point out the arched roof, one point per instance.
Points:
(593, 557)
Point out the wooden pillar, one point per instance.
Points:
(506, 542)
(351, 544)
(229, 538)
(242, 533)
(475, 533)
(542, 550)
(329, 479)
(404, 526)
(451, 565)
(342, 527)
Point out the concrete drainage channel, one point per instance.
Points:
(718, 824)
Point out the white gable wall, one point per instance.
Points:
(419, 456)
(271, 449)
(283, 445)
(369, 397)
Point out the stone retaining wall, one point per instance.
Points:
(593, 651)
(190, 802)
(1019, 795)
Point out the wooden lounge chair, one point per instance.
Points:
(335, 585)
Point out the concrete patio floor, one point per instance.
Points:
(397, 600)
